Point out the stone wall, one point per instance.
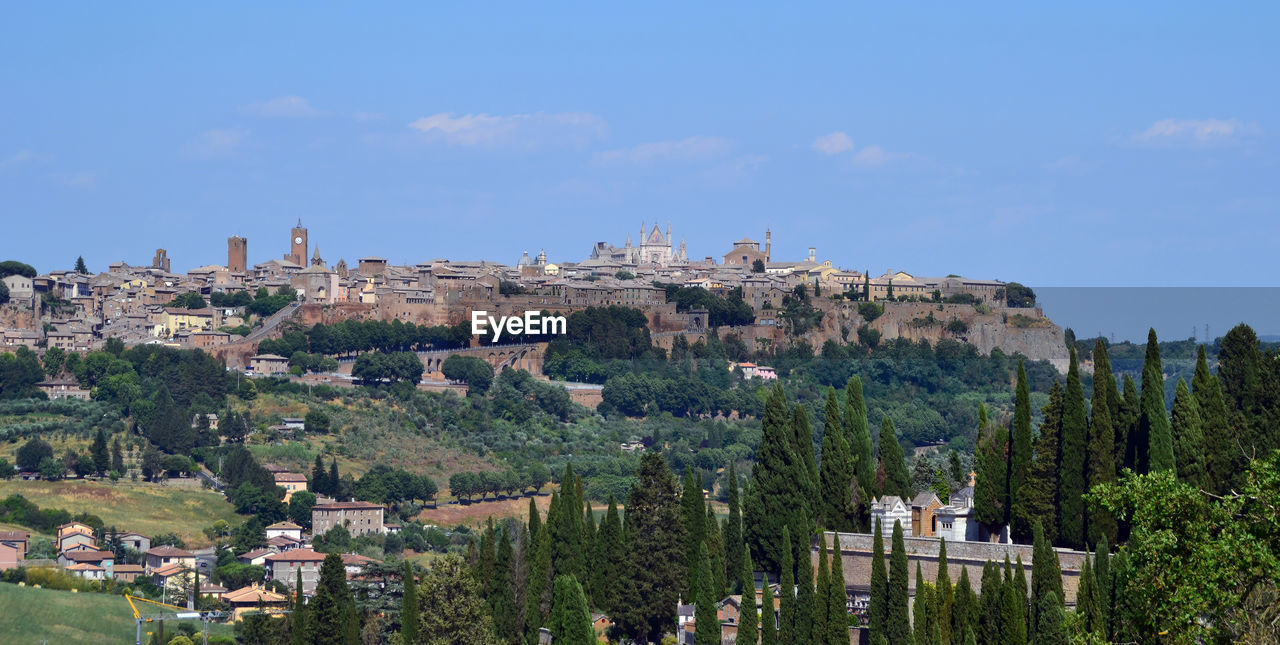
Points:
(856, 549)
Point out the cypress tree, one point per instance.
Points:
(1102, 575)
(1188, 437)
(610, 556)
(1155, 422)
(408, 605)
(1071, 480)
(566, 529)
(992, 474)
(692, 514)
(733, 546)
(1220, 448)
(656, 552)
(860, 449)
(535, 522)
(1046, 578)
(898, 620)
(878, 608)
(962, 610)
(1127, 426)
(319, 477)
(807, 477)
(1101, 465)
(332, 610)
(715, 549)
(991, 605)
(893, 464)
(1024, 592)
(333, 481)
(811, 608)
(707, 629)
(117, 457)
(749, 617)
(837, 599)
(1052, 628)
(537, 600)
(774, 499)
(570, 622)
(502, 599)
(768, 616)
(1013, 607)
(1088, 604)
(1020, 438)
(298, 629)
(944, 593)
(1038, 497)
(969, 638)
(101, 458)
(920, 609)
(787, 593)
(836, 474)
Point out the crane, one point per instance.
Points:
(178, 612)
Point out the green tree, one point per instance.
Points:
(893, 465)
(1046, 580)
(991, 486)
(1088, 602)
(117, 457)
(920, 608)
(570, 618)
(452, 611)
(837, 472)
(610, 558)
(818, 611)
(298, 630)
(1154, 423)
(837, 622)
(897, 621)
(1101, 463)
(1221, 464)
(101, 458)
(657, 551)
(734, 547)
(990, 614)
(1013, 605)
(768, 616)
(1188, 437)
(707, 628)
(775, 499)
(1071, 478)
(538, 588)
(787, 592)
(409, 615)
(962, 610)
(1038, 500)
(878, 608)
(332, 607)
(861, 450)
(1020, 439)
(749, 618)
(943, 593)
(693, 516)
(1051, 629)
(81, 268)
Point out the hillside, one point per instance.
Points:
(66, 617)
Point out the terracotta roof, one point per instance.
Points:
(256, 553)
(89, 556)
(296, 555)
(283, 541)
(11, 536)
(167, 551)
(337, 506)
(253, 594)
(85, 566)
(128, 568)
(284, 525)
(355, 559)
(170, 570)
(290, 477)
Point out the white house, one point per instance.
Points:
(955, 520)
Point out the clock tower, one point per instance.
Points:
(297, 245)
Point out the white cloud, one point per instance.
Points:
(833, 144)
(24, 157)
(528, 130)
(288, 107)
(697, 148)
(216, 143)
(875, 156)
(1195, 131)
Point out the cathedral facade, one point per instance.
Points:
(655, 249)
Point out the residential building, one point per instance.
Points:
(136, 541)
(63, 389)
(127, 572)
(75, 533)
(13, 548)
(360, 518)
(163, 556)
(254, 598)
(100, 559)
(87, 571)
(291, 483)
(285, 566)
(268, 364)
(286, 529)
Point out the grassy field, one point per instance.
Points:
(34, 615)
(150, 509)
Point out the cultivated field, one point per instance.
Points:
(150, 509)
(33, 615)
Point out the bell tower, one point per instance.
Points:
(297, 245)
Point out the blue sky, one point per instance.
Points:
(1128, 144)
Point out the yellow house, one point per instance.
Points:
(902, 284)
(176, 320)
(551, 269)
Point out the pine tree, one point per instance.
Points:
(332, 607)
(1101, 464)
(734, 550)
(898, 620)
(749, 618)
(893, 464)
(990, 605)
(787, 593)
(920, 609)
(861, 450)
(81, 268)
(1013, 605)
(836, 475)
(837, 599)
(1038, 499)
(1071, 481)
(408, 607)
(570, 619)
(768, 616)
(775, 499)
(1220, 462)
(878, 609)
(1046, 578)
(992, 474)
(1155, 422)
(1019, 440)
(1188, 437)
(1051, 629)
(962, 610)
(944, 593)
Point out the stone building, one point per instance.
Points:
(746, 251)
(237, 254)
(655, 249)
(360, 518)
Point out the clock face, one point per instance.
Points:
(297, 240)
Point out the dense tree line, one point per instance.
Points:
(378, 367)
(722, 311)
(358, 336)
